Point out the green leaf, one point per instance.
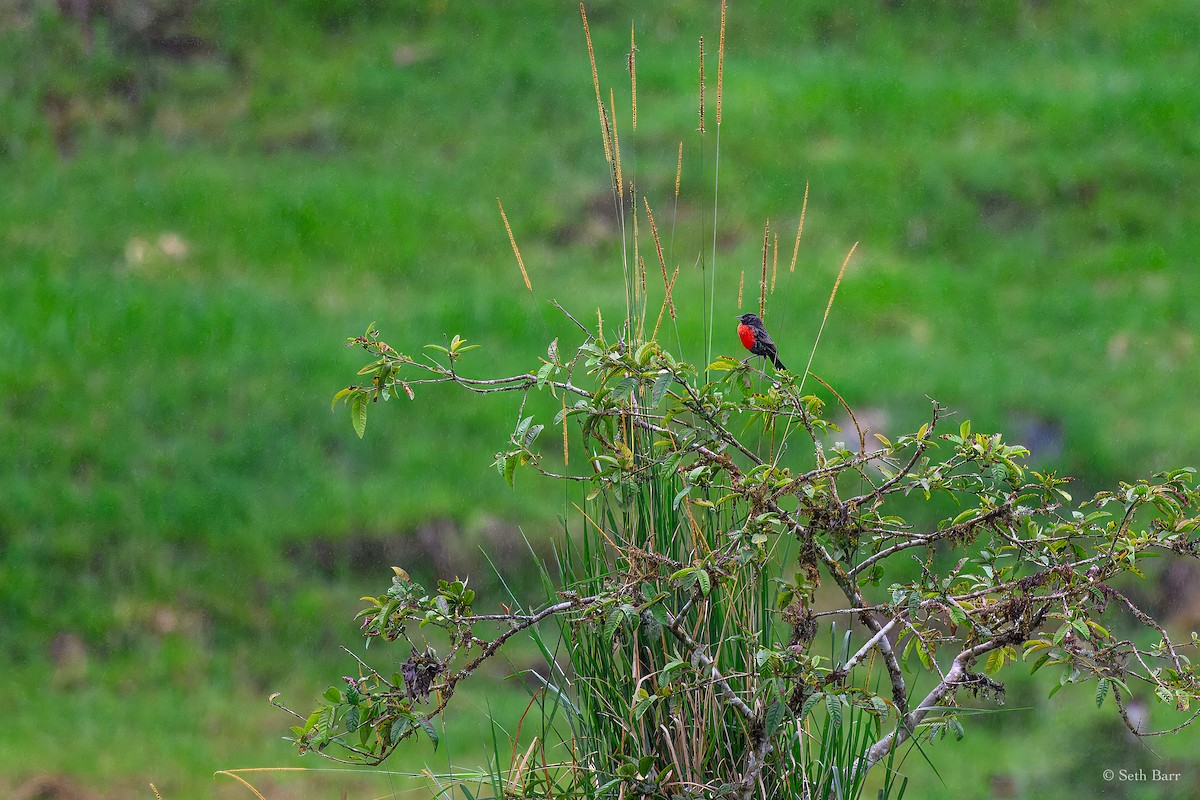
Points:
(1102, 691)
(352, 719)
(809, 702)
(957, 615)
(333, 695)
(679, 497)
(358, 413)
(834, 704)
(682, 573)
(643, 701)
(399, 728)
(324, 728)
(612, 623)
(661, 384)
(510, 468)
(428, 728)
(924, 654)
(665, 675)
(774, 718)
(1041, 662)
(374, 366)
(908, 648)
(705, 582)
(995, 661)
(339, 396)
(723, 364)
(965, 515)
(625, 387)
(365, 732)
(956, 728)
(660, 615)
(532, 434)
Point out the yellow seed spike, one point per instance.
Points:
(702, 84)
(606, 131)
(616, 144)
(596, 84)
(741, 285)
(838, 283)
(644, 301)
(825, 318)
(658, 247)
(762, 288)
(633, 74)
(667, 303)
(774, 261)
(721, 63)
(678, 170)
(671, 292)
(799, 228)
(512, 240)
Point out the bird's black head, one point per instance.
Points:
(749, 319)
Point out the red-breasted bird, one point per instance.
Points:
(755, 338)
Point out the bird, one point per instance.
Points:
(755, 338)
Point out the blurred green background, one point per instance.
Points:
(199, 202)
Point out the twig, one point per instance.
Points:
(866, 648)
(922, 446)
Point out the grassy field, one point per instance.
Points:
(187, 243)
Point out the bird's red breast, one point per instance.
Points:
(746, 334)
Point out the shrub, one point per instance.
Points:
(682, 626)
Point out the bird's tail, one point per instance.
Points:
(775, 360)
